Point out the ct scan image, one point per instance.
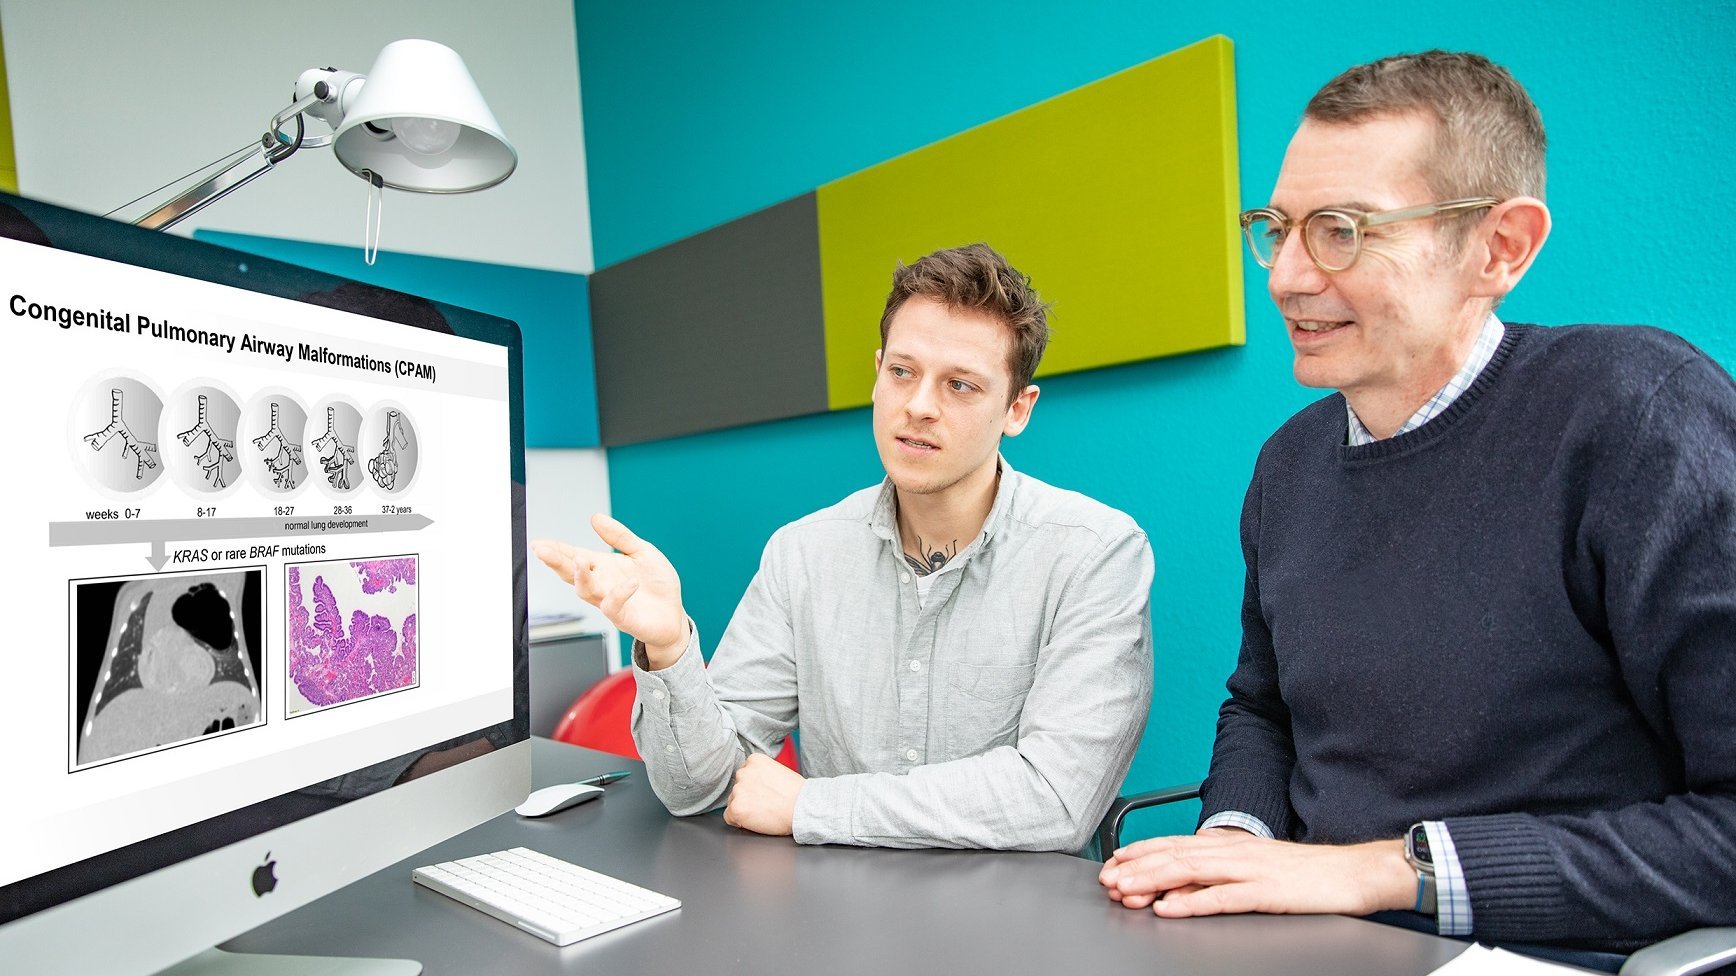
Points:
(164, 660)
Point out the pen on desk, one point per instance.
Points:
(606, 778)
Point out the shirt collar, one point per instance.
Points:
(1488, 340)
(884, 519)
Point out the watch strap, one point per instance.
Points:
(1427, 899)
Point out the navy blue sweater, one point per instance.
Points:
(1519, 618)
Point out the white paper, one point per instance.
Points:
(1480, 960)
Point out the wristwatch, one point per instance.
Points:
(1416, 851)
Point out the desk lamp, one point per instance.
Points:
(415, 121)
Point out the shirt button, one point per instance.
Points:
(903, 577)
(911, 755)
(916, 665)
(657, 693)
(668, 747)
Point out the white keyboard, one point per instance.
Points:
(546, 896)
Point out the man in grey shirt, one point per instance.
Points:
(966, 650)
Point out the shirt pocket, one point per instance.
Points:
(984, 706)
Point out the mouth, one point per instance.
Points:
(1307, 329)
(918, 445)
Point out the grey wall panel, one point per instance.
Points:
(720, 329)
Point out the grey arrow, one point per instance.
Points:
(157, 557)
(104, 533)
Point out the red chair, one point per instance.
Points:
(599, 719)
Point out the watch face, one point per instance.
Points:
(1418, 842)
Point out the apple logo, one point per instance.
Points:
(263, 878)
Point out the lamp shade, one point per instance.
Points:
(420, 124)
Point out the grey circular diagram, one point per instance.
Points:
(200, 421)
(334, 435)
(114, 433)
(392, 448)
(273, 445)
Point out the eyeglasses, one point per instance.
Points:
(1333, 237)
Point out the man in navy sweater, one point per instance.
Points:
(1488, 667)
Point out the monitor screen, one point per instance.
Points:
(266, 586)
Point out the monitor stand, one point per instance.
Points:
(217, 962)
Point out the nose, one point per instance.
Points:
(924, 402)
(1293, 271)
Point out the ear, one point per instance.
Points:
(1019, 411)
(878, 354)
(1515, 232)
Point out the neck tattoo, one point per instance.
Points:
(926, 560)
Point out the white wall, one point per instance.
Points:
(562, 489)
(113, 97)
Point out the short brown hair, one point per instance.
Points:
(977, 277)
(1488, 139)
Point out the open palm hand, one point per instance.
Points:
(635, 587)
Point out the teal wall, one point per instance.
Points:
(696, 113)
(552, 309)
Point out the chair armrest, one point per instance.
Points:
(1696, 951)
(1109, 831)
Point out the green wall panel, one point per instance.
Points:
(8, 160)
(1116, 198)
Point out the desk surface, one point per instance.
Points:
(767, 906)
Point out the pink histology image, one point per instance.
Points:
(352, 631)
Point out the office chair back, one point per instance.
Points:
(601, 717)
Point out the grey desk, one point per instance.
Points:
(763, 905)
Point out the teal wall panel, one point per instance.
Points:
(697, 113)
(552, 309)
(710, 501)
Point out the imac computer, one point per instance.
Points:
(265, 583)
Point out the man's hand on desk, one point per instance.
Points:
(636, 588)
(1224, 871)
(764, 797)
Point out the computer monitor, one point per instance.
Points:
(264, 587)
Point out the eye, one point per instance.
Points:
(898, 371)
(960, 386)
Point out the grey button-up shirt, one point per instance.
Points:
(1001, 712)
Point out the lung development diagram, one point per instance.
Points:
(352, 631)
(126, 435)
(143, 452)
(282, 459)
(208, 449)
(114, 423)
(337, 449)
(165, 660)
(383, 467)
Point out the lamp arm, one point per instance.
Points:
(275, 148)
(224, 182)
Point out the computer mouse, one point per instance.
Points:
(549, 799)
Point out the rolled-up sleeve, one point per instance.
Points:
(691, 735)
